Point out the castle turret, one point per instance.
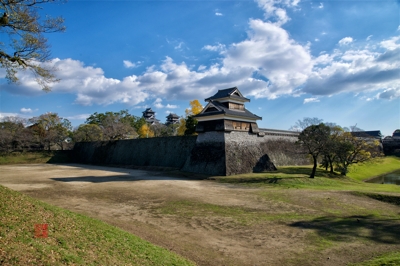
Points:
(150, 116)
(172, 119)
(226, 111)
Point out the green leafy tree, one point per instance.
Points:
(191, 123)
(88, 132)
(353, 150)
(314, 139)
(115, 125)
(332, 147)
(50, 129)
(26, 47)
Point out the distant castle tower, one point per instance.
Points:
(172, 119)
(150, 116)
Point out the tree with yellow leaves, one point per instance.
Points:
(195, 108)
(145, 132)
(182, 127)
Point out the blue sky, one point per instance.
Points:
(335, 60)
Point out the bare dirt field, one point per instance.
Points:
(218, 224)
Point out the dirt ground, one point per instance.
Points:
(142, 202)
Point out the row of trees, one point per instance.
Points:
(43, 132)
(50, 131)
(336, 148)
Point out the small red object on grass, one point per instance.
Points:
(41, 230)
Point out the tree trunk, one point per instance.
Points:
(314, 167)
(344, 171)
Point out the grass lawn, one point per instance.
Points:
(72, 239)
(297, 177)
(35, 157)
(375, 168)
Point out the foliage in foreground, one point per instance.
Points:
(35, 157)
(24, 46)
(72, 238)
(389, 259)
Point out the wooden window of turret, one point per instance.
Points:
(243, 126)
(236, 106)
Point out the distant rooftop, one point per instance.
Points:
(367, 134)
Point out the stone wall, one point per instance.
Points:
(211, 153)
(162, 152)
(236, 152)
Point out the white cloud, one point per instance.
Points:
(391, 44)
(369, 37)
(179, 46)
(26, 110)
(389, 94)
(310, 100)
(345, 41)
(215, 48)
(218, 14)
(275, 9)
(171, 106)
(321, 5)
(129, 64)
(78, 117)
(270, 53)
(158, 104)
(358, 71)
(4, 115)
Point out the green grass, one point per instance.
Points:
(375, 168)
(35, 157)
(298, 177)
(72, 238)
(389, 259)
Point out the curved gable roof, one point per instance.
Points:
(232, 93)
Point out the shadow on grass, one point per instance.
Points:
(130, 175)
(381, 197)
(346, 229)
(250, 180)
(307, 171)
(116, 178)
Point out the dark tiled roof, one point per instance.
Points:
(226, 93)
(172, 115)
(225, 110)
(367, 134)
(148, 110)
